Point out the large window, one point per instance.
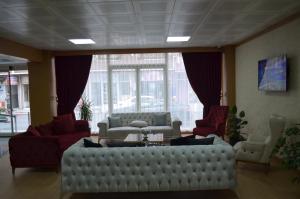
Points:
(141, 83)
(18, 96)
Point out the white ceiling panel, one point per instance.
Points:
(14, 3)
(273, 5)
(48, 24)
(7, 14)
(108, 8)
(74, 9)
(157, 18)
(119, 19)
(189, 19)
(233, 6)
(156, 6)
(221, 18)
(193, 6)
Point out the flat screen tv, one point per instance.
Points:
(272, 74)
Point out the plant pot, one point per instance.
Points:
(232, 141)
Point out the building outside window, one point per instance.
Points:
(20, 101)
(141, 83)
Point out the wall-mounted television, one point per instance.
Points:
(272, 74)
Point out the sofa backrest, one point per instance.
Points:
(148, 117)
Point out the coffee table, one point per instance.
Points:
(157, 137)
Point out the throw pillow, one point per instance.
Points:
(114, 122)
(203, 141)
(45, 129)
(191, 141)
(32, 131)
(116, 143)
(88, 144)
(138, 123)
(63, 124)
(160, 119)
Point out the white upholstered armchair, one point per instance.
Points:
(258, 148)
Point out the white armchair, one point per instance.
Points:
(258, 148)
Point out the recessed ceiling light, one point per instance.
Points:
(178, 39)
(82, 41)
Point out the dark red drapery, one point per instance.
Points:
(72, 73)
(204, 74)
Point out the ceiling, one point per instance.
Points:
(48, 24)
(7, 60)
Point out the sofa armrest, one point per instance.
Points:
(103, 126)
(27, 150)
(252, 146)
(82, 125)
(176, 123)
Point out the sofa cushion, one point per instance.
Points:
(114, 122)
(191, 141)
(89, 144)
(124, 130)
(64, 124)
(32, 131)
(118, 143)
(138, 123)
(160, 119)
(45, 129)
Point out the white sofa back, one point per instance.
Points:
(126, 118)
(161, 168)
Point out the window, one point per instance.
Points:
(141, 83)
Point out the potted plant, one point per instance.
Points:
(288, 149)
(235, 123)
(85, 109)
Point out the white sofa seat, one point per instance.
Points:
(143, 169)
(171, 130)
(125, 130)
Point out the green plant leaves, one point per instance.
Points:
(234, 109)
(242, 114)
(289, 149)
(235, 123)
(85, 109)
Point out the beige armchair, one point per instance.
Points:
(258, 148)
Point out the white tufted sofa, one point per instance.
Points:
(172, 129)
(143, 169)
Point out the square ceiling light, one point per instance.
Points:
(82, 41)
(178, 39)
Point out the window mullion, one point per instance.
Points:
(138, 96)
(109, 88)
(166, 94)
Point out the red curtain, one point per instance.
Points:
(72, 73)
(204, 74)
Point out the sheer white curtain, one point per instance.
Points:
(96, 91)
(182, 100)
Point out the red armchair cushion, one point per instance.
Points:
(204, 131)
(214, 122)
(66, 140)
(63, 124)
(32, 131)
(45, 129)
(82, 125)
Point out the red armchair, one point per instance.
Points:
(44, 149)
(213, 123)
